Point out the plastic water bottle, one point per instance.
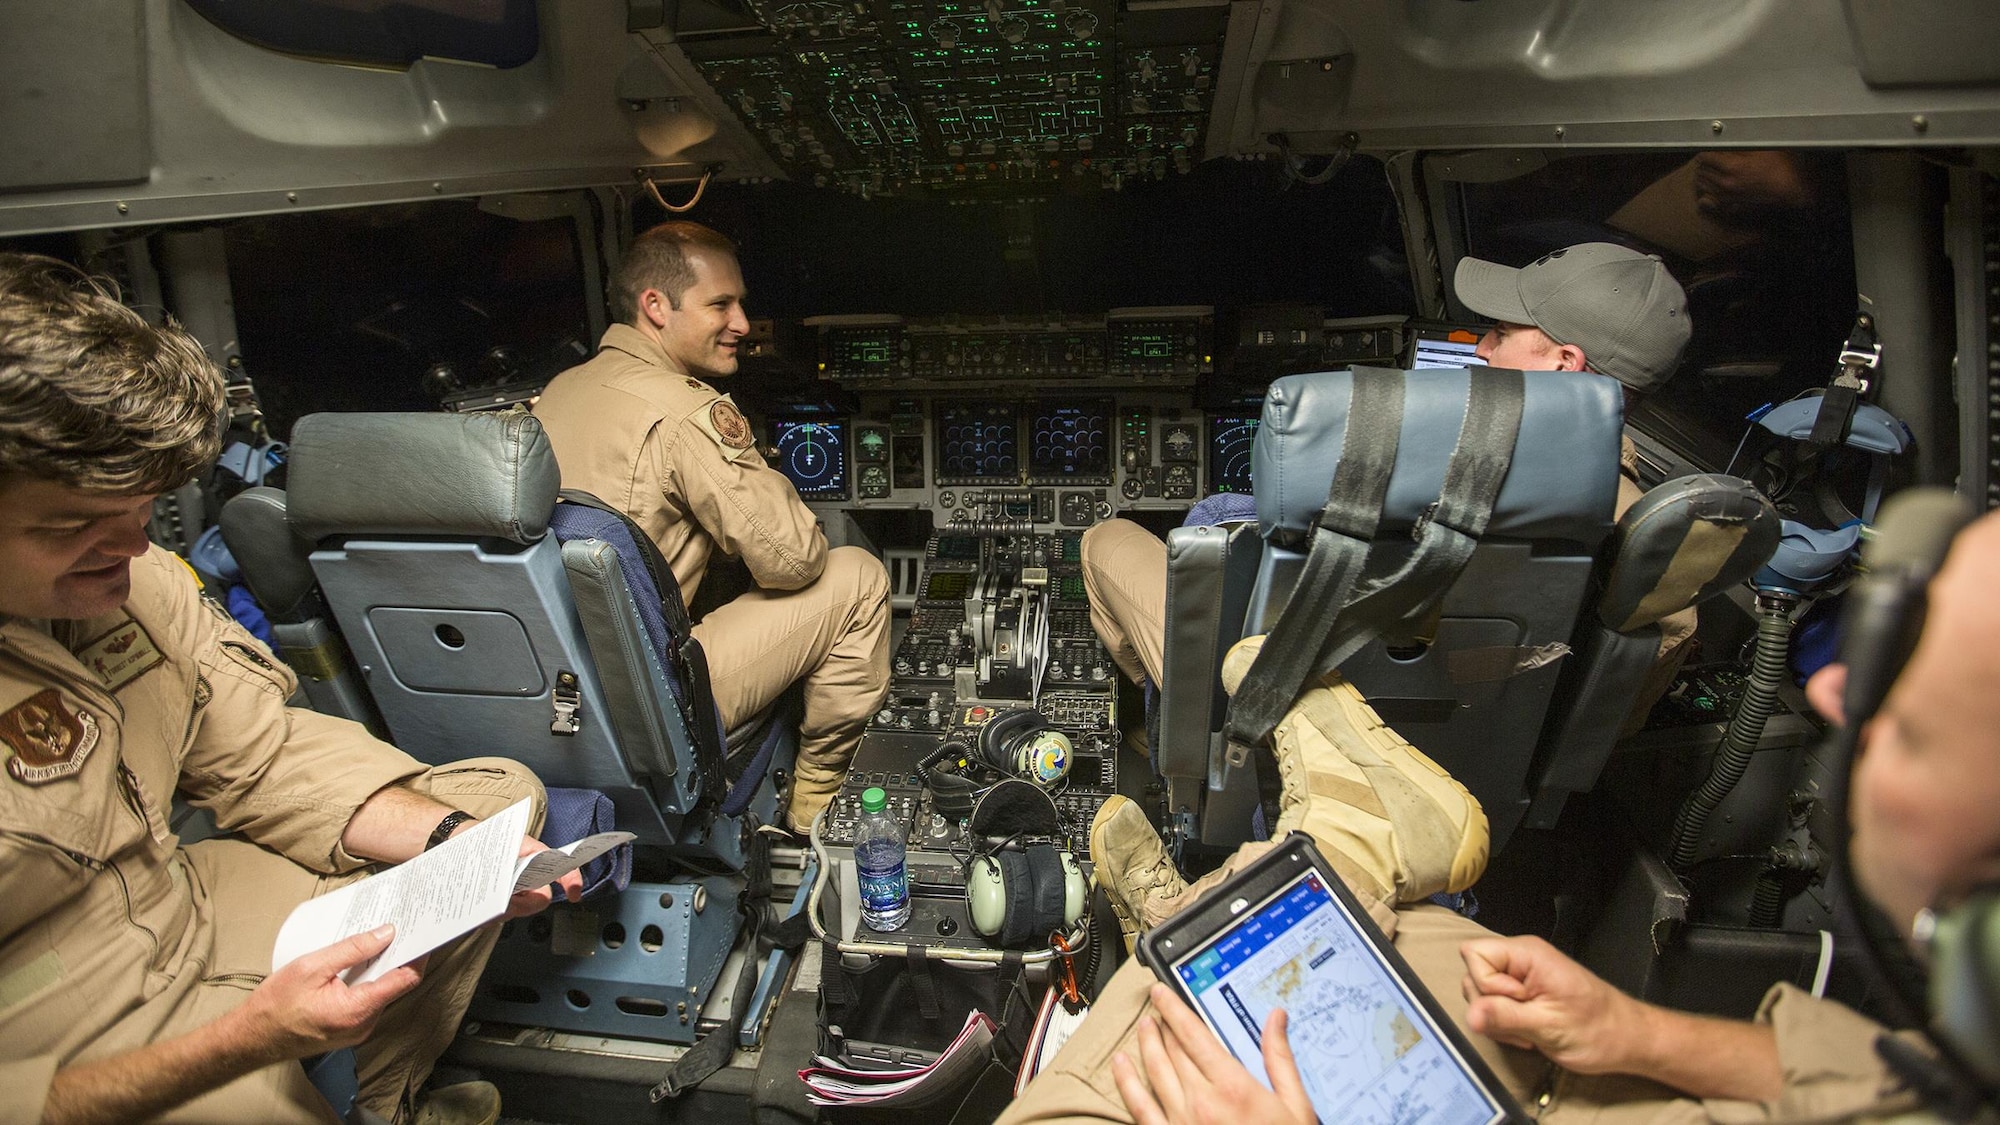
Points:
(878, 858)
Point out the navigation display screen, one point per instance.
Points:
(1231, 439)
(979, 441)
(1071, 442)
(1367, 1050)
(812, 453)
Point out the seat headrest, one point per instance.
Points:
(1683, 542)
(1563, 483)
(275, 560)
(482, 474)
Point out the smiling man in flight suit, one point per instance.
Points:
(638, 428)
(135, 974)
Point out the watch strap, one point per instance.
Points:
(446, 827)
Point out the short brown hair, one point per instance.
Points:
(92, 396)
(657, 259)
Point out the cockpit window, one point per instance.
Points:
(405, 307)
(1760, 239)
(387, 33)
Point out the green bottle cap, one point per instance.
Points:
(874, 799)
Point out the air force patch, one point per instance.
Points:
(730, 426)
(48, 739)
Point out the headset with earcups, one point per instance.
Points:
(955, 774)
(1021, 884)
(1881, 624)
(1021, 741)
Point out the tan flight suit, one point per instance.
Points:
(112, 936)
(677, 457)
(1825, 1051)
(1125, 574)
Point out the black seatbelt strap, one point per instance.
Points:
(917, 965)
(1450, 530)
(1859, 357)
(1338, 553)
(713, 1051)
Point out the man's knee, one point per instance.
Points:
(1097, 541)
(485, 786)
(859, 576)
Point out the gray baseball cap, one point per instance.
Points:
(1623, 308)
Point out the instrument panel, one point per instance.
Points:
(1043, 459)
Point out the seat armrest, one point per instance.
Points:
(1190, 667)
(1612, 668)
(643, 716)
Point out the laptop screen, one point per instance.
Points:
(1443, 346)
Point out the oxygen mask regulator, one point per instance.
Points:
(1824, 469)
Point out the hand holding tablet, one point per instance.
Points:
(1196, 1081)
(1364, 1038)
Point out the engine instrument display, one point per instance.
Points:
(1230, 440)
(978, 441)
(1071, 442)
(812, 453)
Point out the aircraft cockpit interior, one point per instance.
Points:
(1149, 349)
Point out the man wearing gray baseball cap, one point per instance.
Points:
(1596, 306)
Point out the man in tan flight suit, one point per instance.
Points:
(1569, 1046)
(1596, 307)
(135, 974)
(638, 428)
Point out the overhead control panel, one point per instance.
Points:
(886, 97)
(1170, 346)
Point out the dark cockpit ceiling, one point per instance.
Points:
(176, 110)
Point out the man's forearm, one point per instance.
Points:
(1708, 1058)
(153, 1079)
(393, 825)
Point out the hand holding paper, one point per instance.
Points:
(449, 890)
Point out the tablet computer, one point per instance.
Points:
(1371, 1043)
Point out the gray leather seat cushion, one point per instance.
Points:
(1563, 483)
(422, 474)
(1682, 542)
(274, 559)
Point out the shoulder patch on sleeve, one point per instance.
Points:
(731, 428)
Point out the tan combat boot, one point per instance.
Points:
(1394, 823)
(1133, 867)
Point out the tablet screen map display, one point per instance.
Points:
(1365, 1050)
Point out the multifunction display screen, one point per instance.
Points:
(1070, 442)
(979, 441)
(812, 453)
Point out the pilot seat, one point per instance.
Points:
(1444, 538)
(487, 615)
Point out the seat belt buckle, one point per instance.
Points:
(566, 703)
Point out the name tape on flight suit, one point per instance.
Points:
(48, 739)
(121, 655)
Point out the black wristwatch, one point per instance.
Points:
(446, 827)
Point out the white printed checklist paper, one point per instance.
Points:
(449, 890)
